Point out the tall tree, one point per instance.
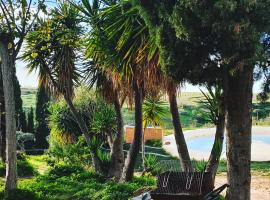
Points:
(30, 121)
(22, 122)
(18, 100)
(42, 113)
(2, 121)
(226, 35)
(55, 56)
(106, 82)
(16, 19)
(18, 110)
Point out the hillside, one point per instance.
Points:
(192, 115)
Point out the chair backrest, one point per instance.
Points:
(193, 183)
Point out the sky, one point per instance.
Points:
(30, 80)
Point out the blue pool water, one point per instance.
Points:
(205, 143)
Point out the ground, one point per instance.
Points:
(260, 186)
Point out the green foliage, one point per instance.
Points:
(42, 113)
(154, 143)
(99, 117)
(213, 103)
(104, 121)
(18, 102)
(151, 164)
(69, 154)
(79, 185)
(199, 30)
(24, 168)
(23, 122)
(20, 194)
(199, 165)
(23, 138)
(154, 111)
(59, 171)
(30, 121)
(64, 128)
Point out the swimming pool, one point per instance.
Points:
(205, 143)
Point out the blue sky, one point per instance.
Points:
(30, 80)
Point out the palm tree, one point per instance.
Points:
(121, 27)
(123, 39)
(109, 90)
(171, 89)
(52, 49)
(106, 81)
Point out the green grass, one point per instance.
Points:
(39, 163)
(257, 168)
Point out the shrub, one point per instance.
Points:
(20, 194)
(65, 170)
(154, 143)
(69, 154)
(115, 191)
(25, 169)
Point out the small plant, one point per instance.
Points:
(199, 165)
(151, 165)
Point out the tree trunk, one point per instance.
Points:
(213, 161)
(117, 155)
(239, 122)
(8, 66)
(136, 143)
(143, 147)
(85, 131)
(2, 121)
(178, 134)
(110, 140)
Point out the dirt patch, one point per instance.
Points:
(260, 186)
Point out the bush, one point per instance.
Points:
(70, 154)
(20, 194)
(77, 185)
(115, 191)
(65, 170)
(154, 143)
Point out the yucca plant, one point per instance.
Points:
(53, 49)
(151, 165)
(214, 106)
(154, 111)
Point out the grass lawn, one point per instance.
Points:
(39, 163)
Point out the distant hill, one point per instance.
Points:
(188, 102)
(29, 97)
